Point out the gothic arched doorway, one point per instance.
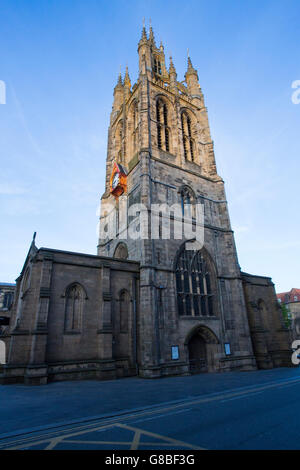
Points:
(197, 354)
(202, 346)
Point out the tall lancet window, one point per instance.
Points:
(163, 132)
(157, 65)
(135, 123)
(119, 142)
(75, 296)
(195, 284)
(188, 141)
(187, 201)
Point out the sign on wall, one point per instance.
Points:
(175, 352)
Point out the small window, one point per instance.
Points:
(8, 300)
(295, 298)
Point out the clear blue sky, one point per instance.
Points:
(60, 60)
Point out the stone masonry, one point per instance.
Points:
(146, 304)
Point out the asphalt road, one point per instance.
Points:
(257, 410)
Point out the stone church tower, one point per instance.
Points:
(159, 132)
(150, 303)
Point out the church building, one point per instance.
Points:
(148, 304)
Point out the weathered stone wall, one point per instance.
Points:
(42, 349)
(83, 316)
(156, 176)
(270, 337)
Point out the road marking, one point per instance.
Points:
(142, 420)
(110, 422)
(287, 385)
(159, 436)
(136, 440)
(243, 396)
(133, 445)
(53, 443)
(73, 441)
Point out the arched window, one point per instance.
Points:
(119, 151)
(157, 65)
(188, 141)
(75, 296)
(187, 201)
(121, 251)
(195, 284)
(132, 130)
(135, 126)
(163, 131)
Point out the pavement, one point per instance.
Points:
(233, 410)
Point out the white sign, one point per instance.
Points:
(175, 352)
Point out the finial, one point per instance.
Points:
(119, 82)
(33, 238)
(172, 68)
(190, 65)
(188, 52)
(120, 75)
(191, 70)
(151, 34)
(144, 34)
(126, 78)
